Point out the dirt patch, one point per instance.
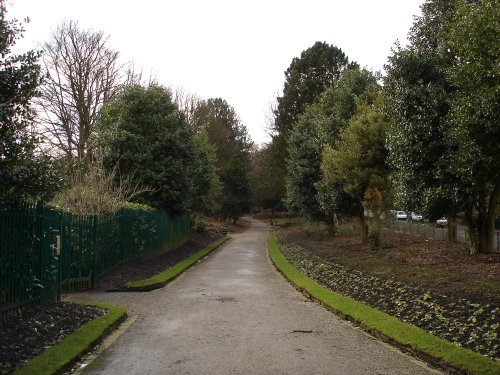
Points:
(144, 268)
(468, 324)
(141, 269)
(431, 283)
(23, 337)
(431, 264)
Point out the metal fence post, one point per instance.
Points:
(94, 251)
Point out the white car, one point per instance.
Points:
(401, 215)
(415, 217)
(442, 222)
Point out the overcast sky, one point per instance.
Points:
(236, 50)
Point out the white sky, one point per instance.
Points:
(233, 49)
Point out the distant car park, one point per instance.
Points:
(414, 217)
(401, 215)
(442, 222)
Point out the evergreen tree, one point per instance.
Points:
(23, 173)
(143, 133)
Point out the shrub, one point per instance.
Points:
(201, 225)
(96, 192)
(315, 230)
(373, 238)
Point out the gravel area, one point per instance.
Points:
(470, 325)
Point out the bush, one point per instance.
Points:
(373, 238)
(132, 206)
(200, 225)
(315, 230)
(96, 192)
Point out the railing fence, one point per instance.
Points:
(431, 231)
(44, 251)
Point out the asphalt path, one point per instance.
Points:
(233, 313)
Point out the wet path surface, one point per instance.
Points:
(234, 314)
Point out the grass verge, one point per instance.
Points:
(65, 353)
(388, 328)
(161, 279)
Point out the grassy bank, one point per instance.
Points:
(409, 337)
(161, 279)
(68, 351)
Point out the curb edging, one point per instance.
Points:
(163, 278)
(57, 359)
(407, 337)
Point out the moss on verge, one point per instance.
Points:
(63, 355)
(407, 336)
(161, 279)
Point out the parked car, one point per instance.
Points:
(442, 222)
(401, 215)
(414, 217)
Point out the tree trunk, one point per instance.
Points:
(452, 228)
(335, 224)
(364, 227)
(376, 218)
(482, 234)
(373, 233)
(471, 225)
(490, 245)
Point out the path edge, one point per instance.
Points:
(163, 278)
(407, 337)
(62, 356)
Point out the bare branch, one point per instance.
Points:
(82, 73)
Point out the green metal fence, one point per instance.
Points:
(44, 251)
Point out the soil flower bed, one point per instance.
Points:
(470, 325)
(23, 337)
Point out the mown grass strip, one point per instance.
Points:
(407, 336)
(161, 279)
(68, 351)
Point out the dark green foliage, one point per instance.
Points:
(337, 104)
(317, 69)
(416, 93)
(320, 125)
(266, 187)
(22, 173)
(236, 192)
(223, 128)
(358, 159)
(442, 95)
(206, 184)
(332, 198)
(473, 41)
(303, 170)
(232, 147)
(144, 134)
(201, 225)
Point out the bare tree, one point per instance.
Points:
(82, 73)
(188, 103)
